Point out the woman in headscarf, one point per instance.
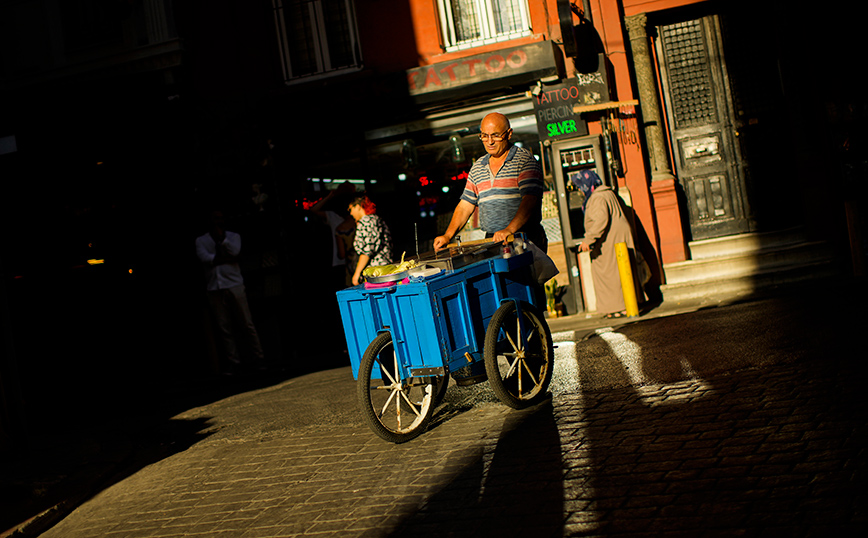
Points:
(606, 225)
(373, 242)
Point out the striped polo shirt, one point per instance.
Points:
(498, 197)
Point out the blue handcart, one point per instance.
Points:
(472, 313)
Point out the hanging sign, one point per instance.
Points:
(471, 75)
(554, 104)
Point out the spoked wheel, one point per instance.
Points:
(519, 355)
(398, 410)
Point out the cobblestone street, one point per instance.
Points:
(775, 448)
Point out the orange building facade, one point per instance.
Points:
(697, 110)
(693, 122)
(683, 115)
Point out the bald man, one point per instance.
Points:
(506, 185)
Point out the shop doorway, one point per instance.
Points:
(703, 127)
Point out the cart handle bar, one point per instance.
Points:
(509, 239)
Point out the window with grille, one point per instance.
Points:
(316, 37)
(471, 23)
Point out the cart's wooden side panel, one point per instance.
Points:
(456, 336)
(406, 311)
(359, 324)
(483, 296)
(414, 328)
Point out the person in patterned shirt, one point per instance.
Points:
(506, 185)
(373, 242)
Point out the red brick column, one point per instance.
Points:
(673, 247)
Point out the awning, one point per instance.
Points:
(482, 73)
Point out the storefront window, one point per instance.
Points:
(417, 195)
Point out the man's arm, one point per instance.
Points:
(203, 252)
(459, 218)
(228, 250)
(360, 266)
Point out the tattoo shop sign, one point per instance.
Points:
(554, 103)
(477, 74)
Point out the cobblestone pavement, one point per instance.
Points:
(774, 446)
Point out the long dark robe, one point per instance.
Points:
(605, 225)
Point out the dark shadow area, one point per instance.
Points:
(460, 399)
(516, 483)
(744, 468)
(769, 439)
(68, 462)
(103, 364)
(587, 45)
(82, 439)
(644, 247)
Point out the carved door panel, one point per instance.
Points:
(707, 159)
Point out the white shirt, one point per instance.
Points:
(225, 275)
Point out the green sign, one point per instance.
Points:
(565, 127)
(554, 103)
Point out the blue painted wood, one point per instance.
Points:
(435, 321)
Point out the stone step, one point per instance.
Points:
(748, 284)
(747, 262)
(744, 243)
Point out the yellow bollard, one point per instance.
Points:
(627, 286)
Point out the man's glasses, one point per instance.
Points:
(494, 137)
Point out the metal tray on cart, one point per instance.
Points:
(457, 257)
(394, 277)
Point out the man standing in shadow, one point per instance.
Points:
(219, 251)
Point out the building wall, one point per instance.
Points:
(543, 15)
(608, 22)
(632, 7)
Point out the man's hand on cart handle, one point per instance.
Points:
(503, 236)
(440, 242)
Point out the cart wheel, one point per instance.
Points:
(398, 410)
(519, 355)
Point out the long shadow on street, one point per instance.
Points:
(746, 420)
(515, 487)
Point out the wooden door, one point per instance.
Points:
(707, 159)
